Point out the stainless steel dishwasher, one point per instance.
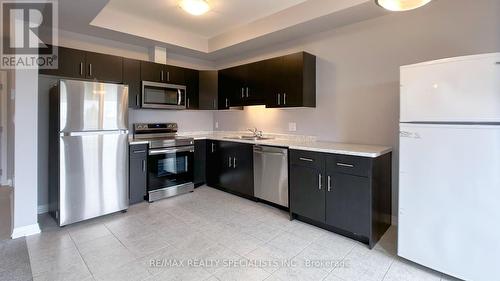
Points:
(271, 174)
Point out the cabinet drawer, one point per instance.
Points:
(307, 159)
(138, 150)
(347, 164)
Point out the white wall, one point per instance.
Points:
(358, 71)
(25, 153)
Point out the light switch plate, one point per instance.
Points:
(292, 126)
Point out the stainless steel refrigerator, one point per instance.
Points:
(88, 150)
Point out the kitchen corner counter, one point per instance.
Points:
(301, 143)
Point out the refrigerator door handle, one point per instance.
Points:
(92, 133)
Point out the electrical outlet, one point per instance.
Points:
(216, 124)
(292, 126)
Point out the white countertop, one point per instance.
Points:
(302, 143)
(309, 144)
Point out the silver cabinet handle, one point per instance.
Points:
(345, 165)
(144, 165)
(188, 102)
(319, 181)
(306, 159)
(81, 68)
(90, 69)
(242, 92)
(161, 75)
(284, 98)
(140, 151)
(168, 76)
(213, 147)
(247, 92)
(230, 161)
(234, 162)
(227, 102)
(279, 99)
(329, 183)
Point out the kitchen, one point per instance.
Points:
(347, 119)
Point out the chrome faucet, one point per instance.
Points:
(256, 132)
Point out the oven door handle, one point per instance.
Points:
(170, 151)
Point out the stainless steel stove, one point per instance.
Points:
(170, 160)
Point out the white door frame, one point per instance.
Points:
(3, 126)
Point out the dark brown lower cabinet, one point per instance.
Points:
(350, 195)
(137, 172)
(230, 167)
(306, 195)
(200, 157)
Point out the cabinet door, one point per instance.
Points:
(132, 78)
(291, 82)
(104, 67)
(225, 87)
(137, 180)
(200, 163)
(275, 82)
(174, 75)
(307, 193)
(226, 175)
(243, 169)
(348, 202)
(192, 84)
(137, 172)
(213, 163)
(237, 95)
(71, 63)
(208, 90)
(256, 82)
(153, 72)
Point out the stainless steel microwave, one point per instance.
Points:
(163, 96)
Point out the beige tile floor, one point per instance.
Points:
(210, 235)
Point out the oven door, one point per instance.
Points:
(163, 96)
(169, 167)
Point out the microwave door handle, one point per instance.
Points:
(179, 97)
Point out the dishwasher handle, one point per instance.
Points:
(269, 153)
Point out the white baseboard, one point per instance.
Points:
(42, 209)
(25, 231)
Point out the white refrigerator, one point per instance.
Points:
(449, 174)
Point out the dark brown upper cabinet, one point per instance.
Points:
(132, 78)
(153, 72)
(291, 81)
(209, 88)
(162, 73)
(71, 63)
(87, 65)
(192, 88)
(104, 67)
(287, 81)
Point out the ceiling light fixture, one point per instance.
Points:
(401, 5)
(195, 7)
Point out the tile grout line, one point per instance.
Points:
(80, 254)
(390, 266)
